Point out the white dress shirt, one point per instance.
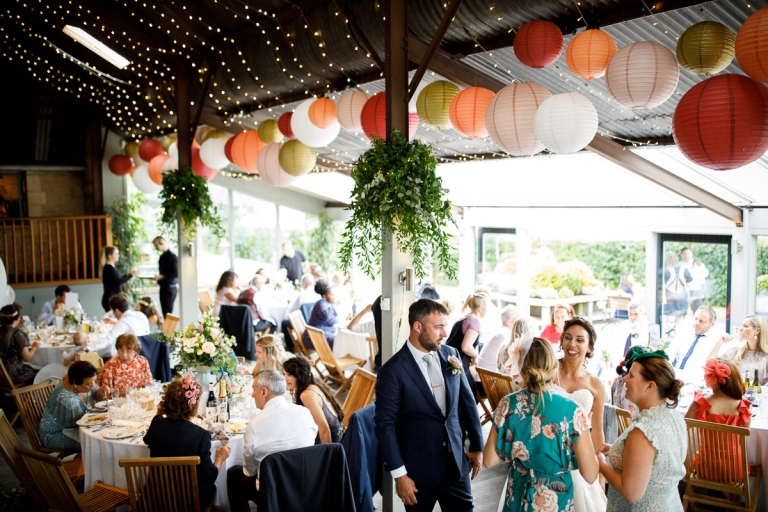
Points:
(306, 296)
(490, 353)
(131, 322)
(694, 367)
(280, 426)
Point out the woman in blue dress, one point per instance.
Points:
(324, 315)
(67, 404)
(540, 433)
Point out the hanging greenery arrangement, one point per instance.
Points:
(185, 197)
(397, 190)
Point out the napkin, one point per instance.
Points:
(127, 423)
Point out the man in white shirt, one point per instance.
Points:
(307, 293)
(48, 311)
(690, 350)
(490, 352)
(129, 321)
(279, 426)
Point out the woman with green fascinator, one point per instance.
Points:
(655, 442)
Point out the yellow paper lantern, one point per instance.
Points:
(131, 148)
(434, 103)
(270, 132)
(167, 141)
(589, 53)
(706, 48)
(296, 158)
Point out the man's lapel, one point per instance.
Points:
(414, 372)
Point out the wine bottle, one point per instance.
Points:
(747, 385)
(756, 383)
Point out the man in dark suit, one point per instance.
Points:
(423, 408)
(168, 278)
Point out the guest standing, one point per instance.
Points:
(172, 434)
(226, 291)
(560, 314)
(15, 349)
(168, 276)
(323, 315)
(466, 337)
(111, 278)
(315, 396)
(128, 370)
(654, 445)
(292, 261)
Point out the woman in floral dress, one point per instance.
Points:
(127, 370)
(541, 434)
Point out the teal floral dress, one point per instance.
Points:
(538, 439)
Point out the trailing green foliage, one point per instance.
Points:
(397, 190)
(324, 243)
(185, 197)
(128, 233)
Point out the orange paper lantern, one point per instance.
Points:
(322, 113)
(245, 150)
(467, 111)
(156, 168)
(538, 43)
(120, 165)
(752, 45)
(589, 53)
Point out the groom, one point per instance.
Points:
(423, 407)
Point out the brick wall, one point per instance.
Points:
(55, 193)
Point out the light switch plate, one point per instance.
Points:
(385, 306)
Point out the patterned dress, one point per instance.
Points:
(537, 436)
(665, 429)
(134, 375)
(62, 411)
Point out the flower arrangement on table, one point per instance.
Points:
(71, 318)
(204, 344)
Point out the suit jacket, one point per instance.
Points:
(410, 427)
(236, 321)
(362, 449)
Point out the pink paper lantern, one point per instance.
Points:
(269, 166)
(642, 75)
(510, 115)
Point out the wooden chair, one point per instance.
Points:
(31, 401)
(93, 358)
(360, 394)
(205, 301)
(53, 483)
(334, 366)
(624, 418)
(298, 326)
(717, 460)
(373, 349)
(260, 334)
(6, 387)
(496, 386)
(618, 303)
(170, 324)
(162, 484)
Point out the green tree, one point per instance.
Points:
(324, 243)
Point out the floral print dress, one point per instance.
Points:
(134, 375)
(537, 436)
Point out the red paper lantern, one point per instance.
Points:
(245, 151)
(752, 45)
(149, 149)
(284, 123)
(373, 117)
(228, 149)
(199, 168)
(722, 122)
(538, 43)
(467, 111)
(322, 113)
(156, 168)
(120, 165)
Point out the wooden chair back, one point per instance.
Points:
(624, 418)
(360, 394)
(717, 460)
(31, 401)
(9, 441)
(52, 481)
(618, 303)
(93, 358)
(335, 366)
(298, 326)
(6, 386)
(170, 324)
(162, 484)
(496, 386)
(373, 350)
(205, 301)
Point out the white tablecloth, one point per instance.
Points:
(101, 461)
(47, 354)
(757, 453)
(353, 344)
(278, 312)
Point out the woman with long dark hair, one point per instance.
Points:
(15, 349)
(315, 396)
(110, 277)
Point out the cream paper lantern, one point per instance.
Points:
(173, 150)
(169, 165)
(308, 133)
(143, 182)
(269, 166)
(566, 123)
(642, 75)
(509, 118)
(348, 111)
(212, 153)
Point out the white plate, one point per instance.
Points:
(93, 419)
(101, 405)
(118, 433)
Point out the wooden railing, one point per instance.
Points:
(51, 250)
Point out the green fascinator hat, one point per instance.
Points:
(638, 353)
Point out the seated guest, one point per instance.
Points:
(15, 349)
(750, 353)
(67, 404)
(48, 311)
(324, 315)
(226, 291)
(690, 350)
(128, 370)
(315, 396)
(147, 306)
(306, 295)
(279, 426)
(510, 354)
(253, 297)
(269, 354)
(172, 434)
(560, 314)
(638, 326)
(626, 283)
(489, 355)
(128, 322)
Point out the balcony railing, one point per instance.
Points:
(51, 250)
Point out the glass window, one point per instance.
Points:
(254, 235)
(761, 302)
(213, 254)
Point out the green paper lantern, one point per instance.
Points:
(296, 158)
(434, 103)
(706, 48)
(270, 132)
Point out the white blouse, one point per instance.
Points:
(756, 360)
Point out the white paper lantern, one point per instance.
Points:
(348, 111)
(173, 151)
(642, 75)
(509, 118)
(566, 123)
(269, 166)
(143, 182)
(307, 132)
(212, 153)
(169, 165)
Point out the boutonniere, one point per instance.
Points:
(455, 365)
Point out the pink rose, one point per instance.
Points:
(535, 426)
(519, 451)
(501, 412)
(581, 421)
(545, 500)
(548, 431)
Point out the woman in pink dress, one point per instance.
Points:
(560, 314)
